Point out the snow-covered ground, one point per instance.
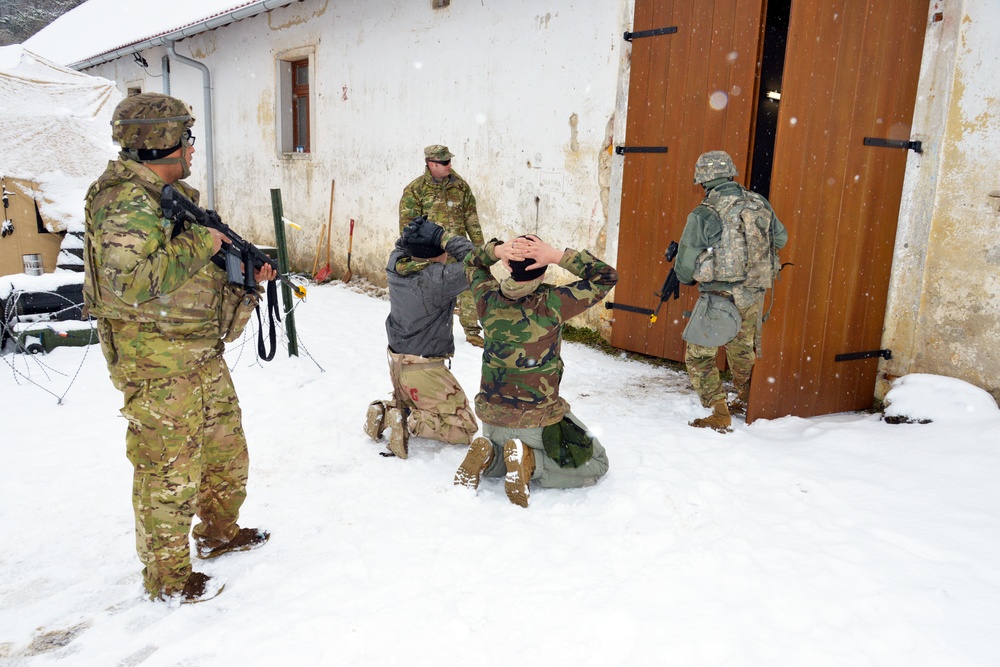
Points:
(837, 540)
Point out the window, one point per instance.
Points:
(294, 121)
(300, 105)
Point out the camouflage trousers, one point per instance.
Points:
(547, 473)
(185, 441)
(740, 355)
(467, 314)
(438, 406)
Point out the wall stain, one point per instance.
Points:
(272, 23)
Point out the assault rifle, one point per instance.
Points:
(671, 285)
(239, 258)
(671, 288)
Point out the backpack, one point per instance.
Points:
(746, 252)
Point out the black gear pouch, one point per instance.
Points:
(567, 444)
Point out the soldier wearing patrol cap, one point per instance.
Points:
(164, 312)
(444, 197)
(729, 247)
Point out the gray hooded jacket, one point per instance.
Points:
(422, 298)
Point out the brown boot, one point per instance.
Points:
(200, 587)
(520, 461)
(719, 420)
(399, 437)
(477, 460)
(739, 404)
(245, 540)
(375, 420)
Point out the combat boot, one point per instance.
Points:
(245, 540)
(198, 588)
(739, 404)
(719, 420)
(375, 420)
(395, 419)
(477, 460)
(520, 462)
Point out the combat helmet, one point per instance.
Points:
(713, 165)
(150, 126)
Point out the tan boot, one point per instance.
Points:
(520, 462)
(739, 404)
(719, 420)
(395, 419)
(477, 460)
(375, 420)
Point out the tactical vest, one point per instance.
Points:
(745, 254)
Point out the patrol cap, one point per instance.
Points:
(438, 153)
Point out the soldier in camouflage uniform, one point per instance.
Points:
(518, 401)
(164, 311)
(443, 196)
(428, 400)
(702, 238)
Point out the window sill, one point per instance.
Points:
(296, 156)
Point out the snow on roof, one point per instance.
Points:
(99, 27)
(56, 131)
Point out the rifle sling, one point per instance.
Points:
(272, 313)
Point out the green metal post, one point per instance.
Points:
(286, 291)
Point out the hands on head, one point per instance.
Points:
(525, 247)
(423, 231)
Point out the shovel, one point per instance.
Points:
(350, 246)
(324, 273)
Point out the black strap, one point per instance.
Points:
(272, 314)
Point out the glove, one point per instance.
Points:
(423, 231)
(671, 286)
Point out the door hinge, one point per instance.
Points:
(621, 150)
(629, 309)
(871, 354)
(914, 146)
(629, 36)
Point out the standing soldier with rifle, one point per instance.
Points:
(443, 196)
(164, 312)
(729, 247)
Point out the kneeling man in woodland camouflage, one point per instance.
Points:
(427, 399)
(730, 248)
(531, 435)
(164, 311)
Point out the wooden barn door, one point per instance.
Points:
(849, 85)
(690, 91)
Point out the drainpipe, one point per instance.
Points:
(206, 77)
(165, 73)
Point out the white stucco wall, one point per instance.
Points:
(523, 92)
(943, 314)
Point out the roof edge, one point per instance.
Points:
(211, 23)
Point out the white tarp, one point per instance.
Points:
(56, 132)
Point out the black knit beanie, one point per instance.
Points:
(519, 268)
(424, 250)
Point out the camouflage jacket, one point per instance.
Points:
(449, 203)
(162, 306)
(523, 338)
(422, 298)
(704, 230)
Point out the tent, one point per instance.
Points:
(55, 139)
